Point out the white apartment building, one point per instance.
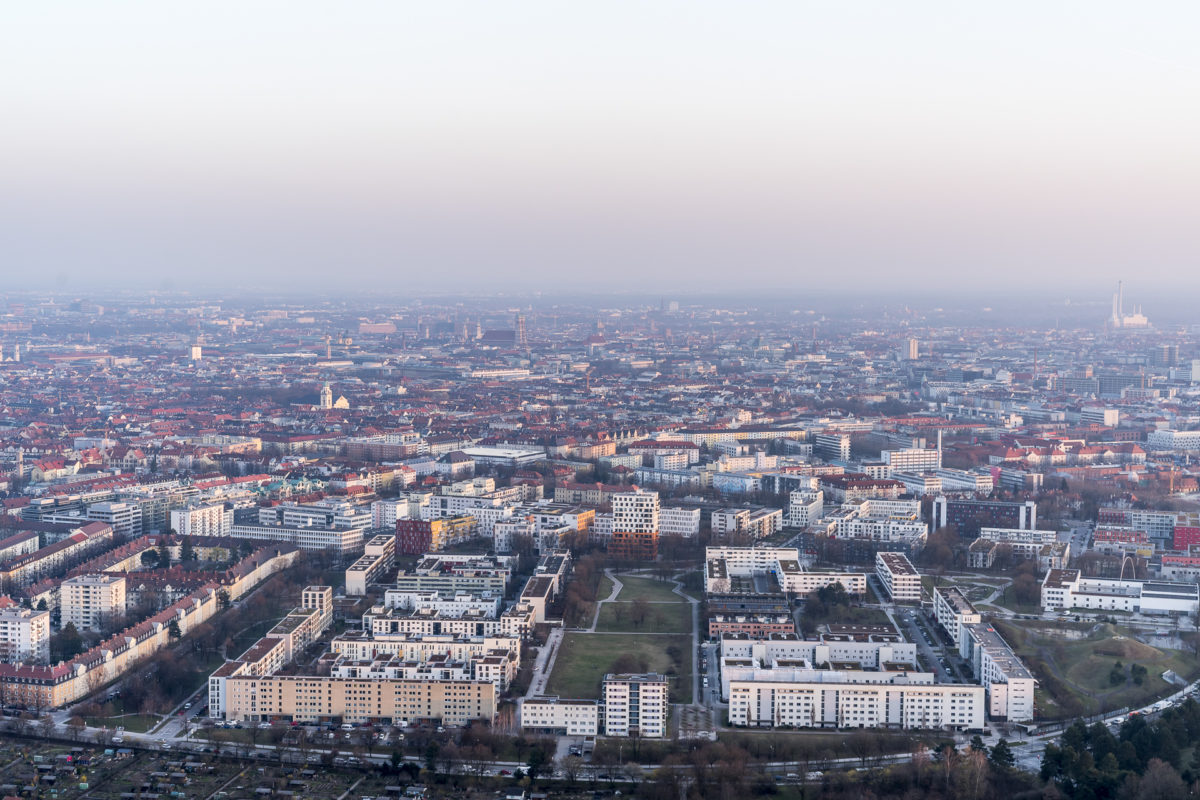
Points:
(426, 623)
(805, 506)
(959, 480)
(878, 520)
(211, 519)
(602, 528)
(504, 532)
(489, 517)
(384, 513)
(899, 577)
(125, 518)
(452, 605)
(751, 560)
(1009, 683)
(832, 446)
(636, 512)
(831, 699)
(952, 610)
(921, 484)
(1099, 415)
(1018, 536)
(795, 579)
(675, 521)
(788, 647)
(24, 635)
(678, 460)
(19, 544)
(379, 556)
(562, 717)
(328, 514)
(759, 523)
(361, 645)
(338, 540)
(319, 599)
(912, 459)
(636, 704)
(92, 602)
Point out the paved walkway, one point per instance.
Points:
(612, 596)
(543, 664)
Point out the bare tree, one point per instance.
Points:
(76, 725)
(571, 766)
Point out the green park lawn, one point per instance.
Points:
(138, 723)
(1073, 672)
(623, 617)
(584, 658)
(654, 591)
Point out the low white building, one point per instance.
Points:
(749, 560)
(795, 579)
(869, 655)
(562, 717)
(1067, 588)
(340, 541)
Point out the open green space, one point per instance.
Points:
(780, 745)
(584, 658)
(634, 588)
(138, 723)
(248, 636)
(1073, 663)
(857, 615)
(622, 617)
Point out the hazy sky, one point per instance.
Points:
(442, 144)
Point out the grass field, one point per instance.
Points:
(634, 588)
(660, 618)
(1072, 662)
(857, 615)
(138, 723)
(584, 658)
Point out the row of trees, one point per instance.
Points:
(1142, 760)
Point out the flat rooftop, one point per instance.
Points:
(956, 599)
